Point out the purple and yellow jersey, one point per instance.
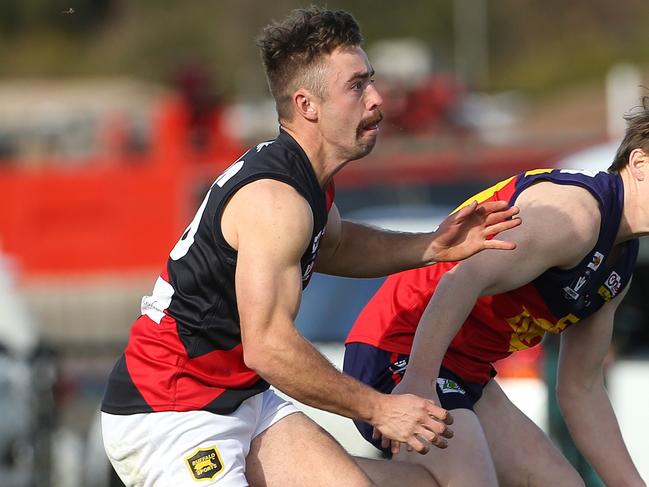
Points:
(501, 324)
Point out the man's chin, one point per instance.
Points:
(361, 151)
(365, 145)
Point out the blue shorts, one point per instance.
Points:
(383, 370)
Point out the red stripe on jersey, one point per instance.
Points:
(165, 274)
(168, 379)
(505, 193)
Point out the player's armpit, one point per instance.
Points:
(330, 242)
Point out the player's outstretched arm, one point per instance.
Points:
(358, 250)
(555, 234)
(584, 402)
(270, 238)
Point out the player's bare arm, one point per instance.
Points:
(347, 244)
(583, 399)
(270, 225)
(557, 231)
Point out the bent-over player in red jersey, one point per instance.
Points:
(437, 331)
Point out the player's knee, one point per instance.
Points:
(560, 472)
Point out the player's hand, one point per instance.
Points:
(471, 229)
(415, 421)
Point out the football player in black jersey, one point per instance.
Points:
(219, 327)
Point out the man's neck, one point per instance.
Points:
(324, 163)
(635, 218)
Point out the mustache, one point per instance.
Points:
(373, 120)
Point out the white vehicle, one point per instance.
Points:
(593, 159)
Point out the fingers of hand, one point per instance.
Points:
(395, 447)
(437, 440)
(436, 427)
(499, 245)
(465, 211)
(500, 216)
(435, 411)
(420, 444)
(502, 226)
(447, 433)
(496, 206)
(449, 418)
(386, 442)
(437, 421)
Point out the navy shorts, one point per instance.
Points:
(383, 370)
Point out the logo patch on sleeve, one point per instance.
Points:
(205, 463)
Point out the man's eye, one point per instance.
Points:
(357, 86)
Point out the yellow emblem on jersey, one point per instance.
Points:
(526, 328)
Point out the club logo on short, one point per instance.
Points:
(205, 463)
(448, 385)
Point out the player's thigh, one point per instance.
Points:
(466, 462)
(295, 452)
(522, 453)
(393, 473)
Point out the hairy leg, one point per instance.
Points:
(295, 452)
(522, 452)
(466, 462)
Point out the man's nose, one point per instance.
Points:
(374, 98)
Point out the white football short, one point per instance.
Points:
(189, 448)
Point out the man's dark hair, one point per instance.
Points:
(635, 137)
(292, 51)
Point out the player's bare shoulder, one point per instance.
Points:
(266, 205)
(567, 214)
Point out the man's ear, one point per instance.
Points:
(639, 164)
(306, 105)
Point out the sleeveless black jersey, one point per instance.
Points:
(184, 352)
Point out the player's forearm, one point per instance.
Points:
(594, 428)
(366, 251)
(293, 365)
(447, 310)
